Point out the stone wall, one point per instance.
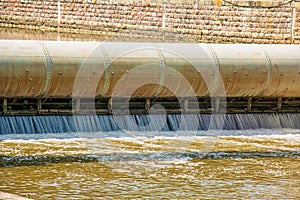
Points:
(204, 23)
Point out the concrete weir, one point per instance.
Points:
(50, 77)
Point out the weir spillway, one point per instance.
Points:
(55, 77)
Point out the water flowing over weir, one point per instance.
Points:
(106, 123)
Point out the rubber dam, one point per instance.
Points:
(50, 86)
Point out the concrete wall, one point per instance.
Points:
(204, 23)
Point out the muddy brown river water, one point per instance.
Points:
(248, 164)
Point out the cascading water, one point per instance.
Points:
(106, 123)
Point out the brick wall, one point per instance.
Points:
(204, 23)
(297, 24)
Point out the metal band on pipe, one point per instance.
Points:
(107, 74)
(48, 65)
(268, 71)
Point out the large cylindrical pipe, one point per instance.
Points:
(51, 69)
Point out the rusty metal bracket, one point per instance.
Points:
(279, 103)
(249, 104)
(109, 105)
(147, 105)
(4, 106)
(186, 105)
(39, 105)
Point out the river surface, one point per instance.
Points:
(245, 164)
(215, 164)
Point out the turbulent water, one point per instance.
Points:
(248, 164)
